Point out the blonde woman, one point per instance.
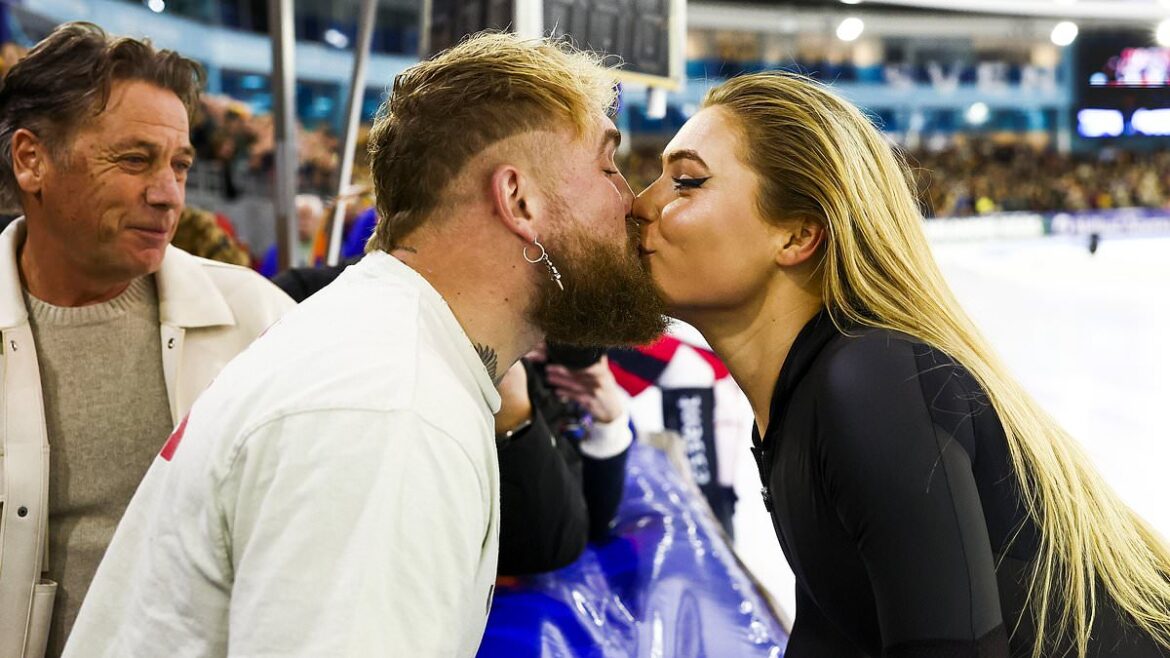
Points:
(926, 504)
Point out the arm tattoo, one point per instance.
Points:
(490, 361)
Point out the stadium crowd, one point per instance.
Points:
(369, 442)
(979, 176)
(970, 175)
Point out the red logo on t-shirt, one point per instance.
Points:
(172, 443)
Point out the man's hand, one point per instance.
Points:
(594, 388)
(515, 407)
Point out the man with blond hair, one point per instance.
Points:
(335, 491)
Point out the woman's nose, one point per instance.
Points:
(645, 211)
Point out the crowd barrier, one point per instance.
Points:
(1124, 221)
(1106, 223)
(251, 210)
(664, 584)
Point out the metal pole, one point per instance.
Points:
(528, 19)
(357, 91)
(284, 89)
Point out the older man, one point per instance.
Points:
(335, 491)
(109, 333)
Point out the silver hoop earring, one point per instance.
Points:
(542, 256)
(553, 273)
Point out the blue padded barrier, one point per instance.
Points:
(665, 584)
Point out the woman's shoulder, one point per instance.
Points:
(871, 362)
(870, 350)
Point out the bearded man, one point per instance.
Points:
(335, 491)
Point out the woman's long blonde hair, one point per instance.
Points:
(818, 156)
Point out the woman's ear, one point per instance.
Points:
(515, 200)
(798, 241)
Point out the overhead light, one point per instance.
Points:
(850, 2)
(850, 29)
(655, 103)
(978, 114)
(1151, 122)
(1100, 123)
(253, 82)
(1163, 34)
(1064, 33)
(335, 38)
(157, 6)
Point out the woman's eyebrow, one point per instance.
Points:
(683, 154)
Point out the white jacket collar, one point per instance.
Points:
(12, 310)
(187, 297)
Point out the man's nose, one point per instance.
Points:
(627, 193)
(165, 190)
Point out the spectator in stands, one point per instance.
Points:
(357, 224)
(109, 333)
(200, 234)
(358, 231)
(926, 503)
(310, 215)
(300, 283)
(335, 491)
(318, 156)
(10, 54)
(562, 437)
(979, 177)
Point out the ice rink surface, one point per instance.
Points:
(1087, 335)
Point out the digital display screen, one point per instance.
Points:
(637, 31)
(1134, 67)
(634, 33)
(1121, 85)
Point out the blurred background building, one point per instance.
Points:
(1030, 125)
(1028, 105)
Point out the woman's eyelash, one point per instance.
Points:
(689, 183)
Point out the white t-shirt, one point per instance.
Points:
(335, 492)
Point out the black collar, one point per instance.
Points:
(804, 351)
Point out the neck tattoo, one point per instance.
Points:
(490, 360)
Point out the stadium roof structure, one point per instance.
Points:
(1136, 10)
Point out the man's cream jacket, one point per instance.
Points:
(208, 313)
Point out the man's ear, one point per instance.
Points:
(798, 241)
(29, 160)
(516, 200)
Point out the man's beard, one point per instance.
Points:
(609, 297)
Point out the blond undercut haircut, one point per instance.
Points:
(442, 112)
(818, 157)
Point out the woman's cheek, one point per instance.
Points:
(674, 223)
